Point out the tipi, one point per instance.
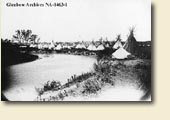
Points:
(118, 43)
(120, 53)
(100, 47)
(91, 47)
(131, 45)
(80, 46)
(59, 47)
(51, 46)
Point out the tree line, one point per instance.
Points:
(26, 36)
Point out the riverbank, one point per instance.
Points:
(108, 75)
(11, 55)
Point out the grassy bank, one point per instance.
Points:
(107, 74)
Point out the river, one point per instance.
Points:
(26, 76)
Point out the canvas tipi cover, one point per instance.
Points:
(59, 47)
(120, 53)
(80, 46)
(117, 45)
(100, 47)
(91, 47)
(131, 44)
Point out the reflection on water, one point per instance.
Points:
(26, 76)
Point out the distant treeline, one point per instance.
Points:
(11, 54)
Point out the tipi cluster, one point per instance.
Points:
(121, 51)
(128, 50)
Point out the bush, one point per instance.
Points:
(104, 72)
(40, 91)
(53, 85)
(61, 96)
(91, 87)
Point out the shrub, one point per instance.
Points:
(104, 72)
(91, 87)
(53, 85)
(61, 96)
(40, 91)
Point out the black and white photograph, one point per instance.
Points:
(76, 50)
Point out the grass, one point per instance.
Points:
(49, 85)
(91, 87)
(86, 83)
(144, 74)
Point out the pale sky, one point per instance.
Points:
(80, 20)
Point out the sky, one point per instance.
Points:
(81, 20)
